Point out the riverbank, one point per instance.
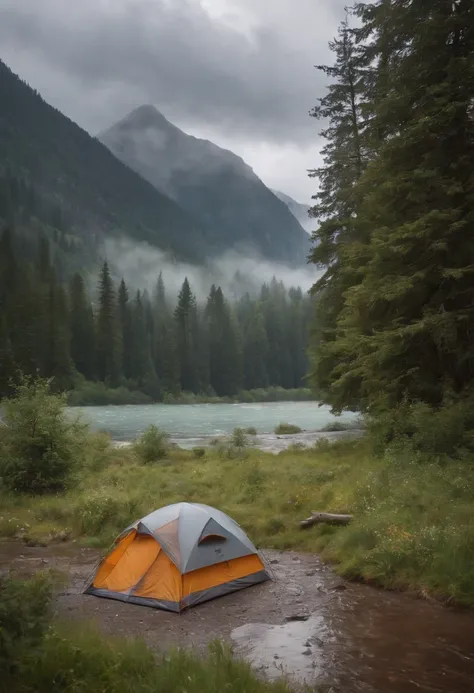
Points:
(413, 526)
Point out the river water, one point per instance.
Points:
(192, 424)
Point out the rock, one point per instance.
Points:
(274, 561)
(338, 588)
(295, 591)
(307, 652)
(297, 617)
(310, 573)
(308, 643)
(276, 657)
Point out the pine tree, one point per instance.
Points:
(406, 332)
(345, 156)
(7, 361)
(82, 329)
(225, 367)
(108, 347)
(186, 337)
(126, 334)
(255, 351)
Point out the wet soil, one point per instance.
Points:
(306, 622)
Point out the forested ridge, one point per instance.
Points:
(394, 327)
(150, 342)
(97, 194)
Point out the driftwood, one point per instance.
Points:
(329, 518)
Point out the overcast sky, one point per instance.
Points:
(237, 72)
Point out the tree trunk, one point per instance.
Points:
(330, 518)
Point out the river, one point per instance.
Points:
(196, 424)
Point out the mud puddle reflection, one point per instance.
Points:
(292, 649)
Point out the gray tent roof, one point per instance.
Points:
(184, 532)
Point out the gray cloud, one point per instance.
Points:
(99, 58)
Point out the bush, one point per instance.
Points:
(152, 445)
(41, 446)
(24, 617)
(199, 452)
(91, 394)
(236, 445)
(335, 426)
(285, 429)
(251, 431)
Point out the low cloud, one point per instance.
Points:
(140, 264)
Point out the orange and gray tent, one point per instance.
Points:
(176, 557)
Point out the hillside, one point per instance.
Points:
(214, 185)
(97, 194)
(299, 210)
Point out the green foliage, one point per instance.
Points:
(90, 394)
(152, 445)
(24, 619)
(284, 429)
(199, 452)
(398, 287)
(250, 430)
(41, 446)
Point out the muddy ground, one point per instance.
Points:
(349, 637)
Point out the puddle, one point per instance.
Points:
(294, 649)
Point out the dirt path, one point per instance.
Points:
(353, 638)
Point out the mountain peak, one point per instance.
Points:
(144, 117)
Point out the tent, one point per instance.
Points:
(176, 557)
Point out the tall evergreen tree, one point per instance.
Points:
(345, 157)
(108, 348)
(186, 337)
(225, 370)
(126, 335)
(82, 329)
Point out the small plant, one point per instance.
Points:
(152, 445)
(198, 453)
(250, 430)
(336, 426)
(238, 439)
(285, 429)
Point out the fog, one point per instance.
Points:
(140, 264)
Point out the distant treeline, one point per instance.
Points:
(137, 342)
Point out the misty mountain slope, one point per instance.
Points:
(299, 210)
(99, 195)
(214, 185)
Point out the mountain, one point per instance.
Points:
(98, 195)
(213, 185)
(299, 210)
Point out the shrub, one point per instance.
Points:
(41, 446)
(152, 445)
(335, 426)
(285, 429)
(236, 445)
(251, 431)
(199, 452)
(24, 617)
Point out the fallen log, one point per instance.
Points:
(329, 518)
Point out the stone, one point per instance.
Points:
(297, 617)
(307, 652)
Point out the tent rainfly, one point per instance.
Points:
(176, 557)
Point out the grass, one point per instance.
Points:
(286, 429)
(413, 526)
